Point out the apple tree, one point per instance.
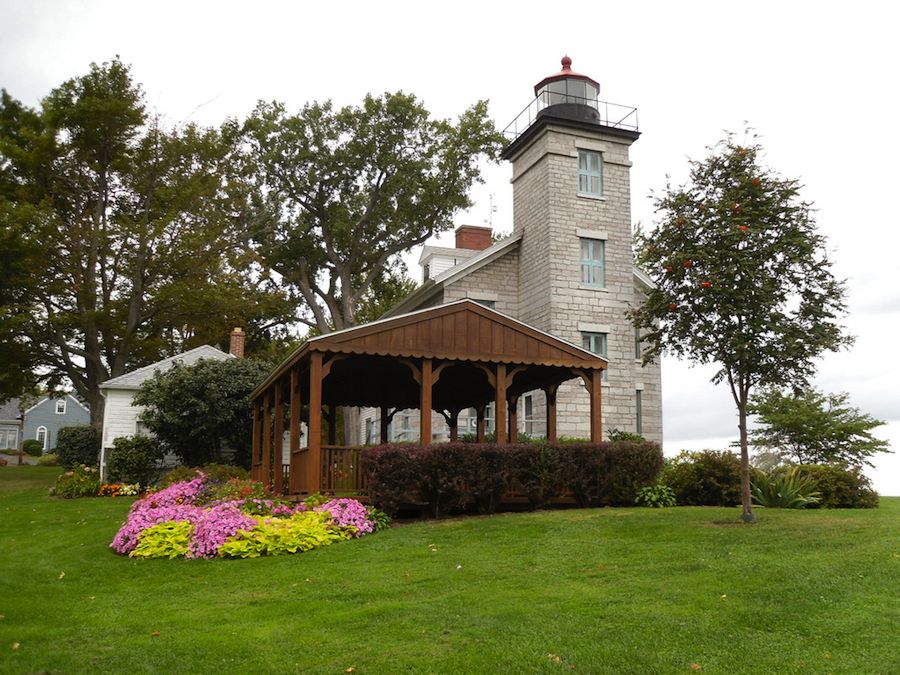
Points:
(742, 280)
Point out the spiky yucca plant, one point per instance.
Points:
(785, 490)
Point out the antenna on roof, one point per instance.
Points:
(492, 210)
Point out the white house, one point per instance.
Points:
(120, 416)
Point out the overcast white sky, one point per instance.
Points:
(816, 80)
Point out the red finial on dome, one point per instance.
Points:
(566, 73)
(566, 63)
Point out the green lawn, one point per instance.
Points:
(593, 591)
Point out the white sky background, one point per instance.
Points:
(817, 80)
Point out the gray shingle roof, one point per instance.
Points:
(135, 378)
(10, 409)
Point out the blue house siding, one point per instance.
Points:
(43, 414)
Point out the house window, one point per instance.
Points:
(638, 422)
(370, 431)
(637, 343)
(595, 342)
(426, 271)
(590, 173)
(41, 435)
(141, 429)
(9, 439)
(593, 262)
(529, 415)
(490, 304)
(61, 407)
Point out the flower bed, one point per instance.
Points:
(200, 518)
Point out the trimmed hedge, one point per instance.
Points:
(33, 447)
(134, 459)
(462, 476)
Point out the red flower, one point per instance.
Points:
(672, 307)
(688, 264)
(743, 228)
(706, 284)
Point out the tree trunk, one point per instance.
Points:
(97, 404)
(746, 503)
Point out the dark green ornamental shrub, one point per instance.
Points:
(78, 445)
(33, 447)
(705, 478)
(841, 486)
(134, 459)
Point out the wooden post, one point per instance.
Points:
(267, 438)
(500, 405)
(254, 448)
(278, 451)
(596, 425)
(385, 421)
(425, 404)
(479, 424)
(314, 465)
(513, 419)
(296, 407)
(453, 423)
(550, 391)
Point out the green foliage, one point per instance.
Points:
(198, 411)
(316, 499)
(704, 478)
(33, 447)
(78, 445)
(381, 520)
(170, 539)
(788, 489)
(841, 486)
(811, 427)
(276, 536)
(349, 190)
(741, 279)
(50, 459)
(656, 496)
(79, 481)
(234, 489)
(139, 231)
(134, 459)
(219, 473)
(616, 435)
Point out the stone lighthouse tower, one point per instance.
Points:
(572, 209)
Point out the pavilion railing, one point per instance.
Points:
(342, 470)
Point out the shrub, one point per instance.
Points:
(134, 459)
(78, 445)
(785, 490)
(301, 532)
(616, 435)
(463, 475)
(234, 489)
(33, 447)
(170, 539)
(841, 486)
(705, 478)
(48, 460)
(80, 481)
(656, 496)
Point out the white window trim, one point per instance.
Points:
(37, 435)
(587, 233)
(58, 411)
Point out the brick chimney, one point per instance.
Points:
(237, 343)
(473, 237)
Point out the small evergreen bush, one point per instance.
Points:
(134, 459)
(78, 445)
(33, 447)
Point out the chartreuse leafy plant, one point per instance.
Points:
(300, 532)
(810, 427)
(169, 539)
(741, 278)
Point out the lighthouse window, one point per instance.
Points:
(590, 173)
(593, 262)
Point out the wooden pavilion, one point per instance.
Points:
(446, 358)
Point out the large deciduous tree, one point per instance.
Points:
(742, 280)
(810, 427)
(139, 231)
(346, 191)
